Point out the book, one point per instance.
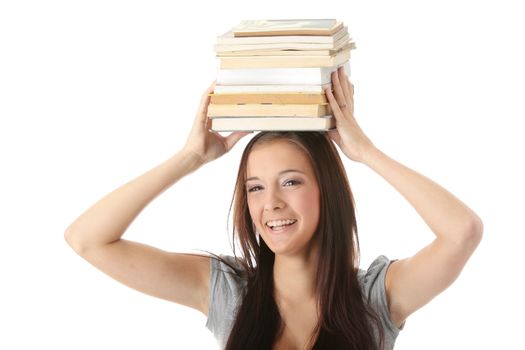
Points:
(272, 74)
(284, 61)
(273, 123)
(275, 98)
(321, 52)
(343, 41)
(287, 27)
(229, 39)
(268, 110)
(276, 76)
(231, 89)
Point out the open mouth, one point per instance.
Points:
(280, 225)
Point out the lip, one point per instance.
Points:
(279, 219)
(284, 230)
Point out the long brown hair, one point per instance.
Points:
(345, 319)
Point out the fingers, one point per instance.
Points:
(334, 135)
(202, 112)
(345, 86)
(335, 102)
(345, 81)
(343, 91)
(350, 87)
(336, 111)
(347, 98)
(232, 139)
(338, 90)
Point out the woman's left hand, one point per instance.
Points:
(348, 135)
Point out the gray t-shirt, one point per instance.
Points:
(226, 291)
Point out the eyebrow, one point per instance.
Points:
(280, 173)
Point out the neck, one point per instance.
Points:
(295, 276)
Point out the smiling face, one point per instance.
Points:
(283, 196)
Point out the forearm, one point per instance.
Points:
(446, 215)
(107, 220)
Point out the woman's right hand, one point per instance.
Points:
(203, 143)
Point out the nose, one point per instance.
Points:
(273, 200)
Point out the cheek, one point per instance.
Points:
(252, 208)
(309, 205)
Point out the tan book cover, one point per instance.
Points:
(268, 110)
(229, 39)
(274, 98)
(287, 27)
(284, 61)
(273, 123)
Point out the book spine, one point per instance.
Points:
(268, 110)
(275, 98)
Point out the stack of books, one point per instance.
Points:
(272, 74)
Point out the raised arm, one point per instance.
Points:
(96, 234)
(414, 281)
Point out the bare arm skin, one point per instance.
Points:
(96, 235)
(414, 281)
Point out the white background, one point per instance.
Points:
(93, 94)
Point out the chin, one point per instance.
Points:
(286, 250)
(277, 249)
(297, 241)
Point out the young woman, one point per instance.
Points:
(297, 284)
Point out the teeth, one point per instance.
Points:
(275, 223)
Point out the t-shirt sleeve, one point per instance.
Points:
(373, 288)
(225, 293)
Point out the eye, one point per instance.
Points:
(288, 183)
(254, 188)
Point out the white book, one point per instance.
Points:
(225, 89)
(273, 123)
(276, 76)
(229, 39)
(284, 61)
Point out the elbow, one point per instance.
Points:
(82, 241)
(476, 229)
(473, 233)
(68, 235)
(71, 237)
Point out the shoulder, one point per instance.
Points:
(226, 289)
(226, 276)
(372, 279)
(372, 283)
